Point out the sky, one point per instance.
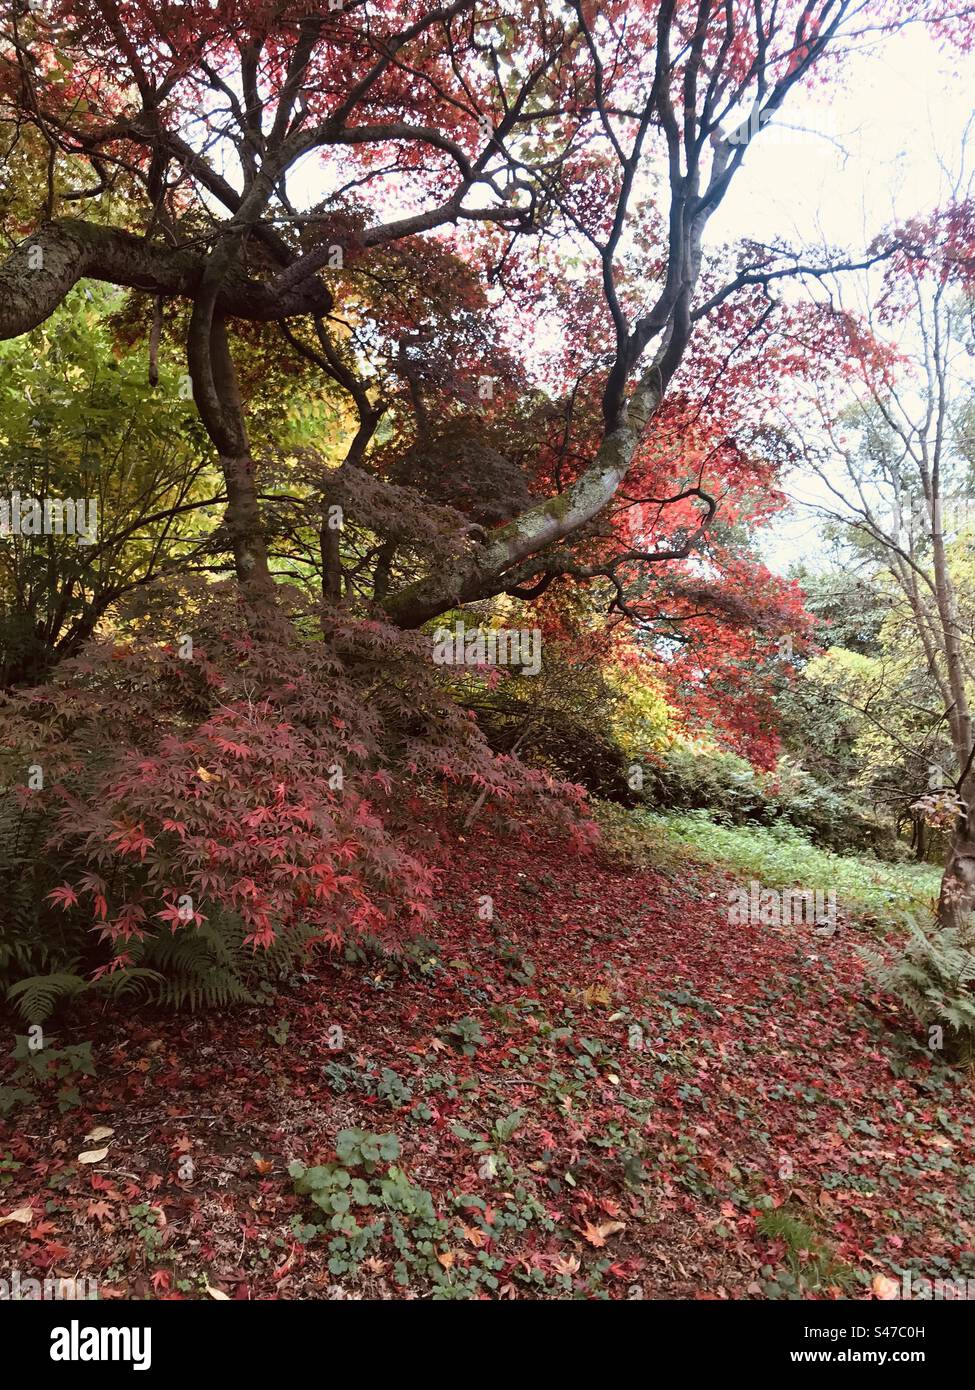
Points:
(884, 147)
(882, 144)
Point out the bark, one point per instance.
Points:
(330, 542)
(50, 262)
(920, 840)
(217, 396)
(957, 899)
(539, 527)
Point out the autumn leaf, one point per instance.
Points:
(92, 1155)
(598, 1235)
(22, 1216)
(596, 994)
(99, 1211)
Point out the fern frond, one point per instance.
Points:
(37, 997)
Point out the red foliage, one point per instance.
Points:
(287, 779)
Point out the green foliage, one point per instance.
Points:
(38, 995)
(329, 1185)
(728, 788)
(47, 1067)
(204, 966)
(393, 1089)
(365, 1207)
(507, 1126)
(810, 1265)
(193, 968)
(579, 717)
(777, 856)
(360, 1147)
(34, 939)
(79, 419)
(934, 978)
(466, 1034)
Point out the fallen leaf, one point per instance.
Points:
(100, 1132)
(597, 1235)
(596, 994)
(218, 1294)
(22, 1215)
(92, 1155)
(885, 1288)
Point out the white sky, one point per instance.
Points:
(883, 148)
(835, 168)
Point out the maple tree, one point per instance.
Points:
(249, 780)
(426, 304)
(503, 135)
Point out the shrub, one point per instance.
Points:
(689, 779)
(247, 792)
(561, 720)
(933, 976)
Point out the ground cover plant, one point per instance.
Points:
(486, 651)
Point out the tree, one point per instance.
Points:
(896, 467)
(81, 424)
(509, 132)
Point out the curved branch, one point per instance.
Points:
(43, 269)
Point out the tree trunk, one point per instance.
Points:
(218, 400)
(958, 885)
(921, 837)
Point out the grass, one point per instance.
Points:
(776, 856)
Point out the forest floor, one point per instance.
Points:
(606, 1091)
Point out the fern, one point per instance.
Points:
(934, 978)
(199, 966)
(37, 997)
(208, 966)
(34, 940)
